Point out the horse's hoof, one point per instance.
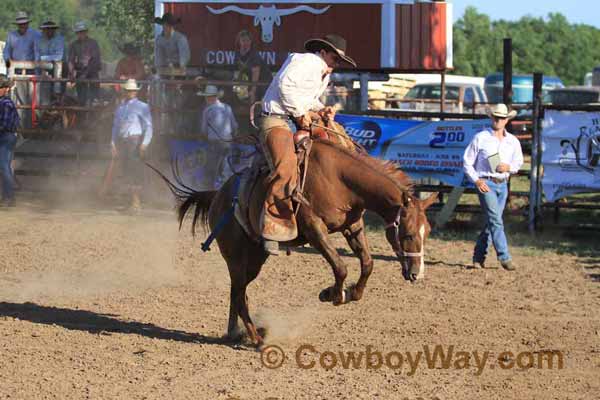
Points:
(325, 295)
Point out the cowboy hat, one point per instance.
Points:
(210, 90)
(49, 24)
(168, 19)
(5, 81)
(501, 111)
(22, 18)
(131, 85)
(80, 26)
(331, 42)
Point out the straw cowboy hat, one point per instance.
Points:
(49, 24)
(330, 42)
(168, 19)
(131, 85)
(22, 18)
(501, 111)
(80, 26)
(5, 81)
(210, 90)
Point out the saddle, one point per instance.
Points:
(253, 186)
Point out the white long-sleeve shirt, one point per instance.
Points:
(296, 88)
(132, 118)
(218, 122)
(475, 160)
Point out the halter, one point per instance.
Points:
(400, 252)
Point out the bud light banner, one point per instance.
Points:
(570, 153)
(423, 149)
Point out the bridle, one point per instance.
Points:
(396, 226)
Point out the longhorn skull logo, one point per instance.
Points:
(266, 16)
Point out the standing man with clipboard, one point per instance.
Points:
(489, 159)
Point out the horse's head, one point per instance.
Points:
(407, 234)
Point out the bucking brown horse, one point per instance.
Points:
(340, 185)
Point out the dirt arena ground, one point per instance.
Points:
(101, 305)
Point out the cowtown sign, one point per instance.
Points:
(267, 16)
(389, 35)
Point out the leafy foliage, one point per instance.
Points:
(128, 21)
(552, 46)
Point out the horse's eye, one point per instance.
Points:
(409, 238)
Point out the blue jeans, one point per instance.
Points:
(492, 203)
(7, 147)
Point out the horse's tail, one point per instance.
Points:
(202, 201)
(187, 197)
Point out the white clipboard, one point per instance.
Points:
(494, 161)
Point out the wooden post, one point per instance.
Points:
(508, 70)
(534, 187)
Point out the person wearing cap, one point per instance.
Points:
(50, 47)
(20, 46)
(9, 121)
(131, 136)
(293, 96)
(489, 160)
(171, 48)
(218, 124)
(84, 63)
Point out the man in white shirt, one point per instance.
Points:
(292, 97)
(219, 126)
(131, 135)
(489, 159)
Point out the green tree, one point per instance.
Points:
(552, 46)
(128, 21)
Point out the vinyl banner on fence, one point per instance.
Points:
(203, 165)
(423, 149)
(570, 153)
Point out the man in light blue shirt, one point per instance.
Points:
(219, 126)
(131, 135)
(171, 47)
(20, 43)
(20, 46)
(50, 47)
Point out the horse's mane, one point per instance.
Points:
(385, 168)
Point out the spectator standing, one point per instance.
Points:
(219, 126)
(50, 47)
(131, 66)
(171, 57)
(489, 159)
(20, 46)
(249, 67)
(9, 121)
(171, 47)
(84, 63)
(131, 136)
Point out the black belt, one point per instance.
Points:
(275, 115)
